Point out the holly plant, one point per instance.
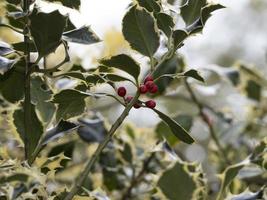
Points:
(48, 117)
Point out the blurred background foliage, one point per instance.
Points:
(139, 163)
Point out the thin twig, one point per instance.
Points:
(207, 121)
(79, 182)
(136, 179)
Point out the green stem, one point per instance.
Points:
(79, 182)
(12, 28)
(27, 86)
(205, 119)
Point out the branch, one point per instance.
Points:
(136, 180)
(12, 28)
(79, 182)
(207, 121)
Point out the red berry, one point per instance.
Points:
(148, 78)
(151, 104)
(143, 89)
(121, 91)
(154, 89)
(128, 99)
(136, 105)
(149, 84)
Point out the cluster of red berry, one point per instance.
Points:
(148, 86)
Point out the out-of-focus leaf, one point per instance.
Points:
(124, 63)
(162, 128)
(139, 30)
(19, 177)
(71, 103)
(176, 128)
(150, 5)
(116, 78)
(83, 35)
(69, 3)
(176, 183)
(127, 153)
(5, 49)
(41, 94)
(253, 90)
(63, 128)
(192, 10)
(92, 130)
(17, 23)
(5, 64)
(46, 30)
(194, 74)
(247, 195)
(35, 132)
(164, 22)
(12, 83)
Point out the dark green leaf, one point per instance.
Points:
(83, 35)
(177, 184)
(207, 10)
(165, 23)
(69, 3)
(17, 23)
(123, 62)
(70, 26)
(36, 128)
(170, 66)
(75, 75)
(253, 90)
(41, 94)
(194, 74)
(5, 49)
(178, 37)
(15, 177)
(71, 103)
(46, 30)
(12, 83)
(15, 2)
(192, 10)
(176, 128)
(94, 79)
(162, 129)
(62, 129)
(5, 64)
(20, 46)
(127, 153)
(150, 5)
(139, 30)
(115, 78)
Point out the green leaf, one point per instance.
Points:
(63, 128)
(115, 78)
(253, 90)
(72, 74)
(41, 94)
(170, 66)
(207, 10)
(165, 23)
(126, 153)
(178, 37)
(162, 128)
(5, 64)
(12, 83)
(19, 177)
(177, 184)
(71, 103)
(150, 5)
(139, 29)
(69, 3)
(176, 128)
(5, 49)
(192, 10)
(124, 63)
(36, 128)
(194, 74)
(20, 46)
(46, 30)
(227, 177)
(83, 35)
